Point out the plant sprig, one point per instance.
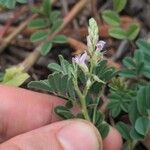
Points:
(82, 83)
(46, 24)
(76, 81)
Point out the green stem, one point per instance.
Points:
(94, 113)
(83, 95)
(131, 144)
(91, 67)
(82, 98)
(84, 108)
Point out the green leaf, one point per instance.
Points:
(55, 67)
(22, 1)
(40, 85)
(69, 104)
(111, 17)
(54, 15)
(139, 57)
(146, 71)
(60, 39)
(135, 67)
(142, 125)
(143, 99)
(47, 7)
(56, 25)
(104, 72)
(15, 76)
(66, 66)
(38, 36)
(133, 112)
(99, 118)
(61, 85)
(124, 130)
(103, 129)
(133, 31)
(135, 135)
(128, 62)
(63, 112)
(119, 5)
(46, 47)
(11, 3)
(128, 73)
(143, 44)
(60, 82)
(114, 111)
(117, 84)
(119, 101)
(54, 81)
(64, 85)
(118, 33)
(70, 90)
(38, 10)
(144, 47)
(18, 81)
(38, 23)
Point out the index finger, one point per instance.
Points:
(23, 110)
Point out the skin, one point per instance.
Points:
(146, 142)
(27, 122)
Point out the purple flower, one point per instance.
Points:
(80, 59)
(100, 45)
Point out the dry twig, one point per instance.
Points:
(8, 39)
(19, 29)
(15, 15)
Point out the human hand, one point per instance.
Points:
(29, 115)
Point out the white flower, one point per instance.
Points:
(80, 59)
(100, 45)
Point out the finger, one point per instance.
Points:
(113, 141)
(65, 135)
(22, 110)
(146, 142)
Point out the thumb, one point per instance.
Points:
(64, 135)
(80, 135)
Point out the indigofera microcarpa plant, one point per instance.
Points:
(81, 82)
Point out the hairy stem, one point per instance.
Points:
(82, 98)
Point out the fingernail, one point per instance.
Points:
(79, 135)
